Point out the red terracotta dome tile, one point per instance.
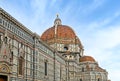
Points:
(87, 58)
(63, 31)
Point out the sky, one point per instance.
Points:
(95, 22)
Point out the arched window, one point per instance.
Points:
(21, 60)
(82, 69)
(65, 48)
(0, 41)
(98, 79)
(91, 69)
(5, 39)
(11, 59)
(45, 68)
(20, 65)
(0, 21)
(80, 79)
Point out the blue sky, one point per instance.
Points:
(96, 23)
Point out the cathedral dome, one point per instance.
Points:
(62, 35)
(87, 58)
(63, 32)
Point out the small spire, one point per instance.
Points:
(57, 15)
(57, 20)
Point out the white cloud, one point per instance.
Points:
(93, 6)
(39, 6)
(102, 22)
(108, 38)
(40, 18)
(102, 41)
(114, 73)
(102, 45)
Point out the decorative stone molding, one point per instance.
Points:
(5, 68)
